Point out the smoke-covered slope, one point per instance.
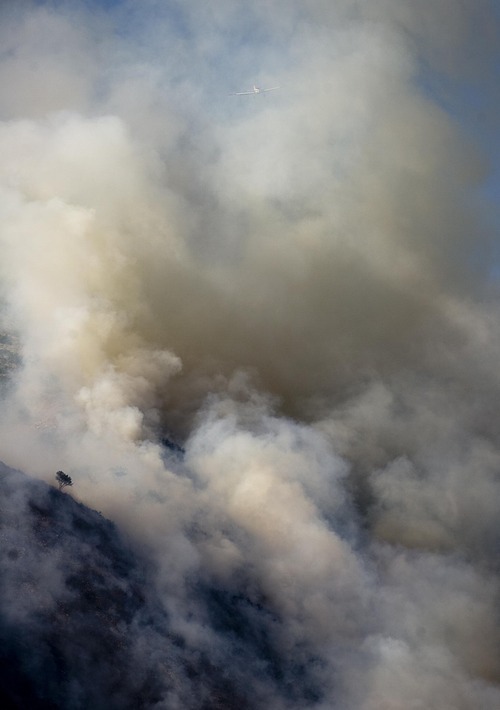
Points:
(80, 625)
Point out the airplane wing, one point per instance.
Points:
(255, 91)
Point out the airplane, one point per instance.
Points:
(255, 90)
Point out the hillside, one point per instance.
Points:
(80, 626)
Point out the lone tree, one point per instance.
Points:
(63, 479)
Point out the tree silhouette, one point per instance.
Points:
(63, 479)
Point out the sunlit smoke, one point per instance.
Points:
(261, 332)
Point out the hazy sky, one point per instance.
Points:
(300, 288)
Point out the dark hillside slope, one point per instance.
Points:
(79, 624)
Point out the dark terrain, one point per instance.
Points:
(80, 625)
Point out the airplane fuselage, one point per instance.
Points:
(255, 90)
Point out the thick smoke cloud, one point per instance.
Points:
(261, 332)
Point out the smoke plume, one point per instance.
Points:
(261, 332)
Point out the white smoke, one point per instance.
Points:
(295, 290)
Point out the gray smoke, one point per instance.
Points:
(261, 333)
